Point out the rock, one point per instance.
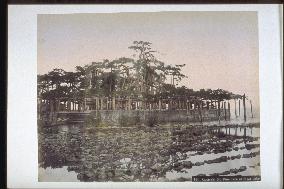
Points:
(201, 175)
(225, 173)
(247, 156)
(235, 171)
(146, 171)
(251, 146)
(199, 163)
(209, 161)
(177, 164)
(200, 153)
(156, 167)
(182, 179)
(242, 168)
(89, 174)
(162, 179)
(118, 172)
(214, 174)
(135, 171)
(187, 164)
(109, 173)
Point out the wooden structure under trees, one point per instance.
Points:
(128, 84)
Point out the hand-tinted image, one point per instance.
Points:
(161, 96)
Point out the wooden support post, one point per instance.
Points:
(251, 109)
(113, 103)
(69, 105)
(97, 106)
(39, 108)
(103, 104)
(99, 103)
(187, 107)
(160, 105)
(235, 108)
(244, 105)
(200, 111)
(219, 113)
(229, 111)
(207, 104)
(55, 105)
(129, 103)
(85, 104)
(239, 107)
(51, 106)
(59, 105)
(78, 107)
(137, 105)
(225, 110)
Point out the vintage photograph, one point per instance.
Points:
(148, 97)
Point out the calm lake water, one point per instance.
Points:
(173, 152)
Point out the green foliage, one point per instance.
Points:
(143, 77)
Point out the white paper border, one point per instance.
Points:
(22, 166)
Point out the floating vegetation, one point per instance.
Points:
(144, 153)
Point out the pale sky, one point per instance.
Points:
(220, 49)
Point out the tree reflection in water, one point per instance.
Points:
(135, 154)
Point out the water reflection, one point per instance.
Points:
(147, 154)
